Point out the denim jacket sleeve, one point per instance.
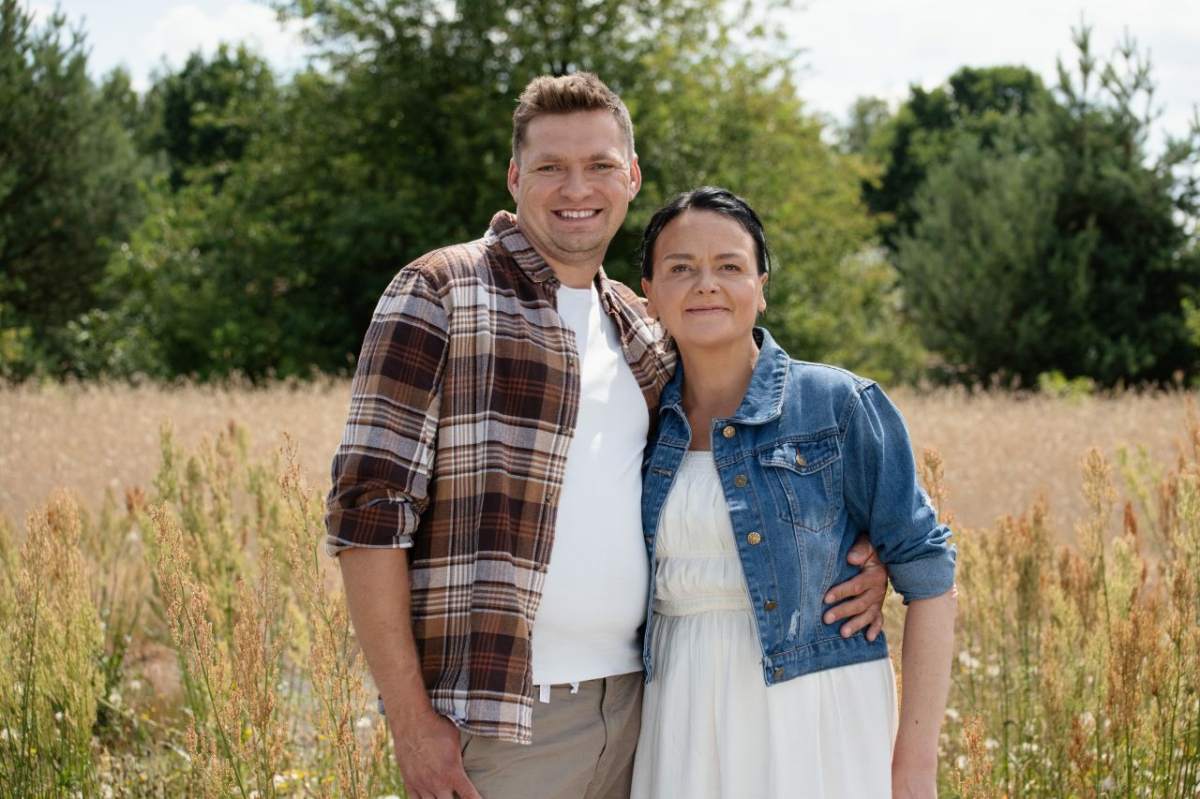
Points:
(884, 498)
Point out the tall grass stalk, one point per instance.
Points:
(1079, 667)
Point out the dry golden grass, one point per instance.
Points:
(190, 639)
(92, 438)
(1000, 451)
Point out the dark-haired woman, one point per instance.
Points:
(762, 472)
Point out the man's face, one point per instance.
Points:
(572, 189)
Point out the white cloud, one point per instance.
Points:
(186, 28)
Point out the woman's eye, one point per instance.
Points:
(731, 267)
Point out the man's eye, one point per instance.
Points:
(604, 167)
(548, 168)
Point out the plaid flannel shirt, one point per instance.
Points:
(463, 408)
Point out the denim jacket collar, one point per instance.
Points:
(765, 394)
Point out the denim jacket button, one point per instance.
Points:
(770, 605)
(729, 431)
(753, 539)
(740, 481)
(779, 673)
(801, 461)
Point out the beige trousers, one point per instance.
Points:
(583, 746)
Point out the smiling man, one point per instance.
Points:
(486, 494)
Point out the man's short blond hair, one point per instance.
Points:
(563, 94)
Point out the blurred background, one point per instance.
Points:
(982, 194)
(991, 208)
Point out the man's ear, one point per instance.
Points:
(635, 178)
(514, 178)
(650, 311)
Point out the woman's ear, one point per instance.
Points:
(762, 292)
(650, 311)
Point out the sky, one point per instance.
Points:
(850, 48)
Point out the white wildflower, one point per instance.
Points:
(115, 699)
(991, 744)
(952, 714)
(364, 723)
(993, 671)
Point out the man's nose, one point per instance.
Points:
(576, 184)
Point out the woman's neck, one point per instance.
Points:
(714, 383)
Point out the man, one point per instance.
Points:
(486, 495)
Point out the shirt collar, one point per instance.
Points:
(504, 231)
(764, 396)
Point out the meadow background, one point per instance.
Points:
(187, 269)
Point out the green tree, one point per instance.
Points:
(1060, 245)
(400, 146)
(207, 113)
(68, 175)
(973, 102)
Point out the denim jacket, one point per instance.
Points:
(813, 455)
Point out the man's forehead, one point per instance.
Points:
(577, 134)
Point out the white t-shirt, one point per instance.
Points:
(594, 600)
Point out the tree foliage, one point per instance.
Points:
(68, 173)
(400, 145)
(1058, 243)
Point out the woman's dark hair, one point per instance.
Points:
(706, 198)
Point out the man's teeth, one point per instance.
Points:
(577, 214)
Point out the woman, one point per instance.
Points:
(761, 473)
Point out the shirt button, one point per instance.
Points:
(801, 461)
(729, 431)
(753, 539)
(740, 481)
(779, 673)
(771, 604)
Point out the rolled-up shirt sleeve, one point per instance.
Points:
(884, 498)
(384, 465)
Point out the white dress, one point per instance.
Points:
(710, 725)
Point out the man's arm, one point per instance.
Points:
(863, 593)
(381, 478)
(428, 748)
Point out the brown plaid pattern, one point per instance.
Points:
(464, 404)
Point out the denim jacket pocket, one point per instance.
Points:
(805, 480)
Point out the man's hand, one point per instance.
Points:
(429, 754)
(428, 748)
(863, 593)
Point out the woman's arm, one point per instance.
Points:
(925, 673)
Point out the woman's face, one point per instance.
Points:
(706, 289)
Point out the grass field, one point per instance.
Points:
(1001, 453)
(171, 628)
